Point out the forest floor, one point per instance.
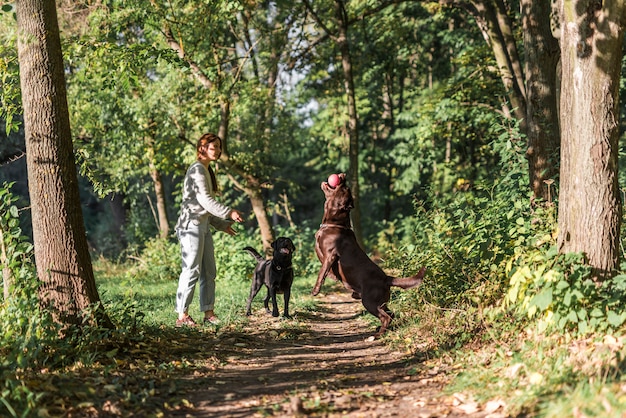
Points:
(328, 367)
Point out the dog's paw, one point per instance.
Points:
(315, 291)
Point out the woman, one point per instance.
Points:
(199, 211)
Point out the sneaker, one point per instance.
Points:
(186, 322)
(213, 320)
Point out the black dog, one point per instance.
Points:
(276, 274)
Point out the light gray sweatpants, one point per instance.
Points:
(198, 265)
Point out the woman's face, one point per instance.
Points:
(213, 150)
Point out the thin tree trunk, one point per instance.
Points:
(7, 277)
(497, 30)
(252, 189)
(589, 201)
(62, 257)
(260, 211)
(159, 191)
(353, 132)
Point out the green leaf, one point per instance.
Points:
(562, 285)
(543, 299)
(615, 319)
(572, 317)
(596, 313)
(567, 299)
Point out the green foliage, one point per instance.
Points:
(159, 259)
(466, 237)
(10, 95)
(16, 250)
(25, 330)
(558, 291)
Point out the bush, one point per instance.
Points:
(26, 331)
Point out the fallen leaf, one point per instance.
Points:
(493, 405)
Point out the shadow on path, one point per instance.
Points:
(332, 368)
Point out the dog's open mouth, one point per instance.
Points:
(284, 250)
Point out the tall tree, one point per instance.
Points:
(337, 29)
(542, 56)
(532, 93)
(62, 257)
(589, 198)
(343, 44)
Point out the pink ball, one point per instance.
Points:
(333, 180)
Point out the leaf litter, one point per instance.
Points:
(322, 363)
(328, 368)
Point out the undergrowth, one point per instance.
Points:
(527, 324)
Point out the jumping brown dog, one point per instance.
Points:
(343, 259)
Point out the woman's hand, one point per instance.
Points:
(236, 216)
(230, 230)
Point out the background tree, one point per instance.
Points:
(590, 207)
(531, 85)
(542, 55)
(62, 258)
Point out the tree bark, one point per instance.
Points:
(159, 191)
(62, 257)
(7, 276)
(589, 211)
(542, 127)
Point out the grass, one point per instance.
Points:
(546, 375)
(155, 298)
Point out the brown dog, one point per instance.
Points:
(343, 259)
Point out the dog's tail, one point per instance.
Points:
(409, 282)
(254, 253)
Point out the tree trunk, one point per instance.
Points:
(62, 258)
(589, 202)
(265, 227)
(159, 191)
(7, 276)
(252, 189)
(260, 211)
(542, 127)
(353, 132)
(161, 216)
(497, 32)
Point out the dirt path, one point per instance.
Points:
(325, 368)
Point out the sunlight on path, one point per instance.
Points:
(330, 368)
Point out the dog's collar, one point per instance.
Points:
(334, 225)
(277, 267)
